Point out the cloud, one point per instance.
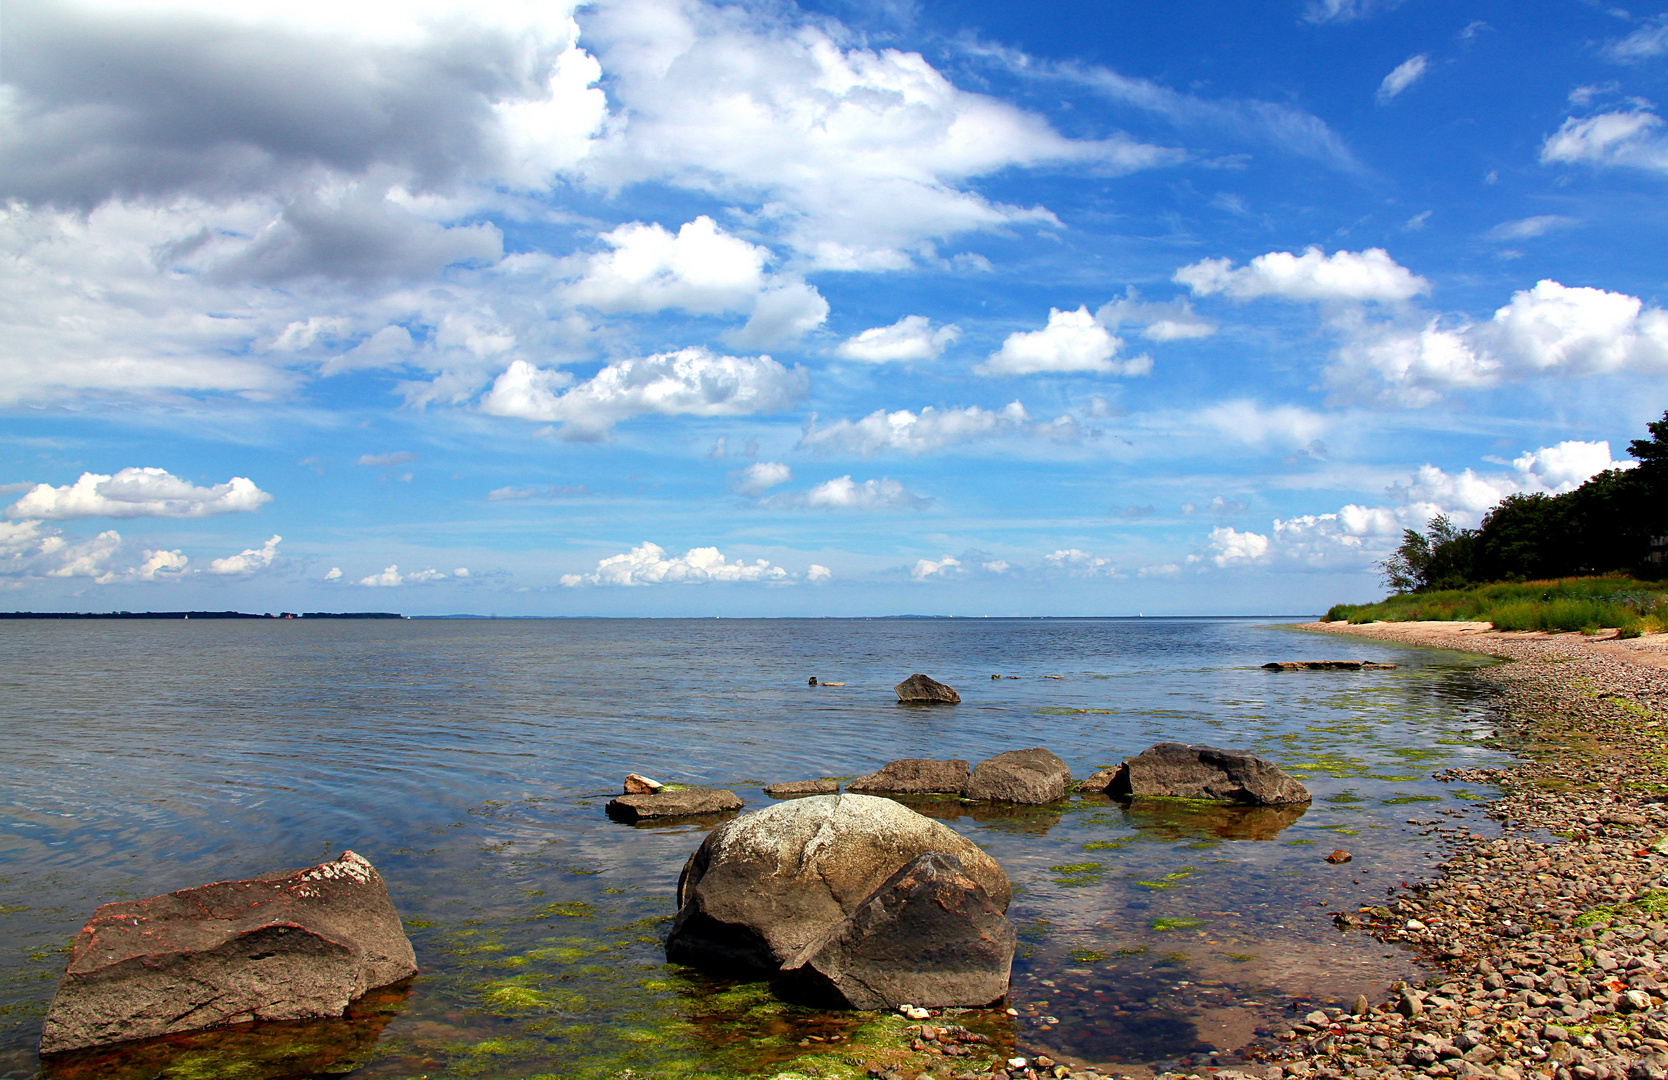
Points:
(650, 564)
(161, 566)
(1284, 427)
(1231, 547)
(551, 491)
(910, 338)
(1325, 11)
(141, 492)
(399, 457)
(926, 569)
(389, 577)
(1631, 139)
(862, 158)
(690, 382)
(760, 477)
(1078, 563)
(1404, 75)
(248, 560)
(702, 270)
(818, 572)
(1071, 342)
(842, 493)
(1173, 320)
(35, 549)
(1530, 227)
(932, 429)
(1549, 330)
(1647, 42)
(335, 574)
(1344, 276)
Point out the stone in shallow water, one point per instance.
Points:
(929, 935)
(678, 802)
(920, 689)
(791, 788)
(1033, 776)
(287, 946)
(762, 887)
(914, 776)
(1179, 771)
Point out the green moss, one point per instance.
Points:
(567, 909)
(1088, 956)
(1176, 923)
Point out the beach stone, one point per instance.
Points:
(1339, 856)
(801, 787)
(1179, 771)
(638, 784)
(919, 689)
(678, 802)
(929, 936)
(1327, 665)
(1098, 781)
(762, 887)
(1033, 776)
(914, 776)
(292, 945)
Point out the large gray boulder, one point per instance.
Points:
(1033, 776)
(762, 887)
(929, 935)
(293, 945)
(1179, 771)
(919, 689)
(914, 776)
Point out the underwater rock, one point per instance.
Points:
(1033, 776)
(762, 887)
(929, 935)
(678, 802)
(914, 776)
(1327, 665)
(918, 689)
(292, 945)
(1339, 856)
(790, 788)
(1179, 771)
(638, 784)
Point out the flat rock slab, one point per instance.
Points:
(763, 886)
(1180, 771)
(929, 935)
(919, 689)
(679, 802)
(791, 788)
(1033, 777)
(1327, 665)
(914, 776)
(294, 945)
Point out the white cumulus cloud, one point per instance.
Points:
(933, 429)
(1079, 563)
(1404, 75)
(818, 572)
(1174, 320)
(1344, 276)
(1230, 547)
(690, 382)
(138, 492)
(1073, 341)
(248, 560)
(651, 564)
(1633, 138)
(927, 569)
(843, 493)
(389, 577)
(161, 566)
(760, 477)
(910, 338)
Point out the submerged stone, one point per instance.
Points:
(292, 945)
(762, 887)
(929, 936)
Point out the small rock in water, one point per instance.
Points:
(1099, 781)
(1031, 777)
(914, 776)
(684, 802)
(638, 784)
(826, 683)
(801, 787)
(285, 946)
(920, 689)
(1179, 771)
(812, 681)
(1360, 1006)
(1339, 856)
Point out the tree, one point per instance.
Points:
(1439, 559)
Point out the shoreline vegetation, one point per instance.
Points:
(1547, 945)
(1584, 605)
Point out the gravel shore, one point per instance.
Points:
(1548, 944)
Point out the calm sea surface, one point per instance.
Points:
(470, 761)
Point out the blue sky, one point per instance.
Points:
(662, 308)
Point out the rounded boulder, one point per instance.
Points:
(763, 886)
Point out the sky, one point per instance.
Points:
(860, 307)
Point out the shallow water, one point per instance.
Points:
(470, 761)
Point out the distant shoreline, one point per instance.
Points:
(183, 615)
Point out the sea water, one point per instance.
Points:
(470, 761)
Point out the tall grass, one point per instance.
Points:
(1584, 604)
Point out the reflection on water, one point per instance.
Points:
(471, 762)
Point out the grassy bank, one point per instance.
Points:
(1587, 604)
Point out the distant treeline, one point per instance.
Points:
(1617, 521)
(197, 615)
